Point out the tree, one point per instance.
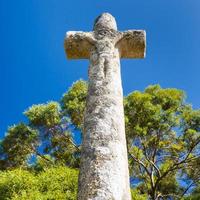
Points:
(74, 101)
(55, 137)
(47, 136)
(163, 140)
(19, 143)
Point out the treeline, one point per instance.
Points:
(40, 159)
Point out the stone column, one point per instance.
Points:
(104, 171)
(104, 167)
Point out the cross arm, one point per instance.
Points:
(132, 44)
(78, 44)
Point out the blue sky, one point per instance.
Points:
(34, 69)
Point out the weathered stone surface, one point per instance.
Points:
(104, 165)
(131, 43)
(78, 44)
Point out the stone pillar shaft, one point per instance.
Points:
(104, 164)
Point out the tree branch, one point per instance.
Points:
(175, 166)
(141, 163)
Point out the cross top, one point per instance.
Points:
(105, 21)
(131, 43)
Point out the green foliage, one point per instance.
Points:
(169, 185)
(59, 183)
(155, 109)
(15, 148)
(42, 163)
(16, 182)
(64, 150)
(163, 136)
(135, 195)
(74, 101)
(191, 118)
(44, 114)
(56, 140)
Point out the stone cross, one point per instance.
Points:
(104, 171)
